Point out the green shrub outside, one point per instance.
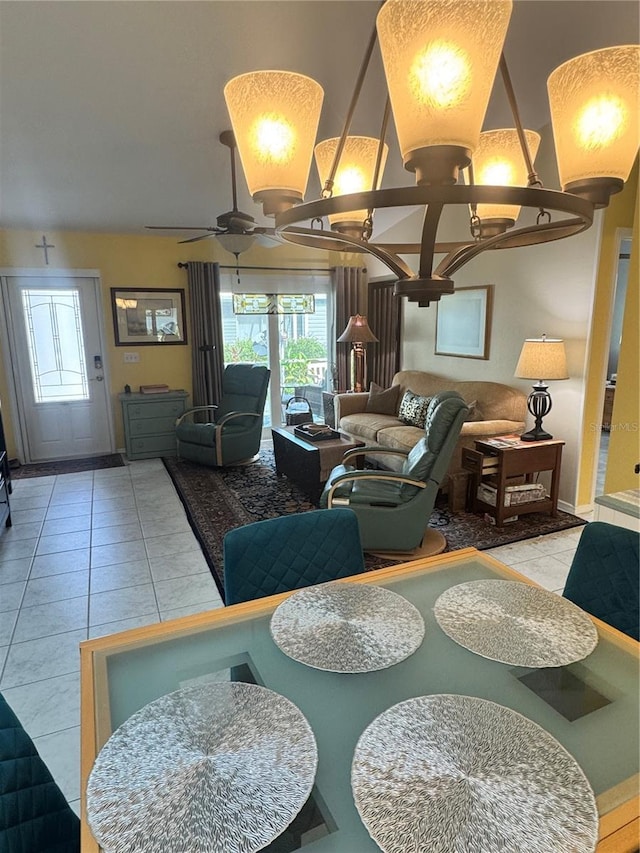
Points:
(295, 361)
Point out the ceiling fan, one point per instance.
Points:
(235, 230)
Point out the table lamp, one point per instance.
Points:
(358, 334)
(541, 358)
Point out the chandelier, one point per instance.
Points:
(440, 59)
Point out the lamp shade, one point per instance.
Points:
(542, 358)
(275, 117)
(355, 170)
(594, 111)
(357, 331)
(498, 161)
(440, 59)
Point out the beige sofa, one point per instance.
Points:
(499, 410)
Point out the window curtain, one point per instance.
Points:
(384, 314)
(207, 359)
(350, 288)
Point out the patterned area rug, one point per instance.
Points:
(67, 466)
(217, 500)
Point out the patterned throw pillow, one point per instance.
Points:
(413, 409)
(383, 401)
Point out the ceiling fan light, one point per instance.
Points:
(498, 161)
(440, 59)
(275, 117)
(596, 126)
(354, 173)
(236, 243)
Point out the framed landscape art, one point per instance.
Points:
(463, 322)
(148, 316)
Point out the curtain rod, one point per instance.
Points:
(324, 270)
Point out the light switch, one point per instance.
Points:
(131, 357)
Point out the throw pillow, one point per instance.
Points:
(413, 409)
(474, 412)
(383, 401)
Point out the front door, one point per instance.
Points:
(57, 365)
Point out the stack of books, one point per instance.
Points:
(513, 495)
(154, 389)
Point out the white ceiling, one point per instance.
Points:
(110, 111)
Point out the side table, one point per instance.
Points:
(150, 423)
(501, 466)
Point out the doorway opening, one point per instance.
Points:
(615, 336)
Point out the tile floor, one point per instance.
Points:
(93, 553)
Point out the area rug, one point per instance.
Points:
(217, 500)
(67, 466)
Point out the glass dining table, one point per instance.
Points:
(591, 707)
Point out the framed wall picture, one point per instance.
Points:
(463, 322)
(148, 317)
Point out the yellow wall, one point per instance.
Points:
(128, 260)
(619, 214)
(624, 444)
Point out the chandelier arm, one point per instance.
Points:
(533, 177)
(383, 135)
(521, 237)
(429, 231)
(328, 184)
(331, 240)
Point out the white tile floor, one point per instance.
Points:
(103, 551)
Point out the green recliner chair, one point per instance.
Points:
(233, 436)
(393, 508)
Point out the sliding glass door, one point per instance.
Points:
(282, 320)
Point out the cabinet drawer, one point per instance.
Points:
(164, 409)
(153, 426)
(155, 445)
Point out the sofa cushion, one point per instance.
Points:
(413, 409)
(367, 425)
(383, 401)
(399, 436)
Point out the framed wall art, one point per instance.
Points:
(463, 322)
(148, 316)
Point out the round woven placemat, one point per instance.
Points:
(515, 623)
(447, 773)
(347, 627)
(223, 766)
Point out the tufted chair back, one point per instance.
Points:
(604, 577)
(34, 814)
(290, 552)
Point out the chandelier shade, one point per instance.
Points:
(275, 117)
(354, 174)
(498, 161)
(440, 60)
(594, 102)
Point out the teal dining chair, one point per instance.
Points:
(604, 578)
(34, 814)
(290, 552)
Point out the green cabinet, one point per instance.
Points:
(149, 423)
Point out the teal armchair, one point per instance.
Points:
(393, 508)
(233, 435)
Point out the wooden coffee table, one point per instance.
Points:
(308, 463)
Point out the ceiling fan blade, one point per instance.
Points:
(201, 237)
(268, 241)
(182, 228)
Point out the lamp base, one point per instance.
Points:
(535, 434)
(539, 404)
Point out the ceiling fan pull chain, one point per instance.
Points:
(543, 214)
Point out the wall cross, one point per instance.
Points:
(46, 246)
